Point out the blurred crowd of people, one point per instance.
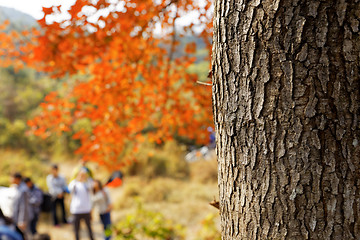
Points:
(25, 202)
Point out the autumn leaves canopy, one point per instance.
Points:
(122, 72)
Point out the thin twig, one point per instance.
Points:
(215, 204)
(204, 83)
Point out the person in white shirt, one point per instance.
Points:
(57, 188)
(101, 200)
(80, 206)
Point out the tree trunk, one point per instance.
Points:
(286, 109)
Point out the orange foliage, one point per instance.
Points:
(135, 82)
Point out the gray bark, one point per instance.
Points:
(286, 111)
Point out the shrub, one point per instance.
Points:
(155, 190)
(164, 161)
(160, 189)
(11, 162)
(209, 231)
(144, 224)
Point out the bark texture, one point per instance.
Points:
(286, 109)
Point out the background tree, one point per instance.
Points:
(286, 110)
(22, 90)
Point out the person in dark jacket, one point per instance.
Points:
(8, 230)
(35, 201)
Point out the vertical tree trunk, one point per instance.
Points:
(286, 109)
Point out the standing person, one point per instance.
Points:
(57, 189)
(101, 200)
(35, 200)
(20, 208)
(80, 205)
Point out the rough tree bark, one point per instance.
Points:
(286, 109)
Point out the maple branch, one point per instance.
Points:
(153, 18)
(171, 54)
(173, 40)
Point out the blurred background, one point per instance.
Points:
(167, 186)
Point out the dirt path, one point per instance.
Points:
(65, 232)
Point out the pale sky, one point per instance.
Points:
(34, 7)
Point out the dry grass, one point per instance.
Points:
(204, 171)
(166, 183)
(183, 202)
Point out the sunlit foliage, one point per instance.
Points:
(131, 86)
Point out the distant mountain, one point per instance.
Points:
(18, 20)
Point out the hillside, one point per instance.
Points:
(18, 20)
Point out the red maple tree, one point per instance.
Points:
(129, 81)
